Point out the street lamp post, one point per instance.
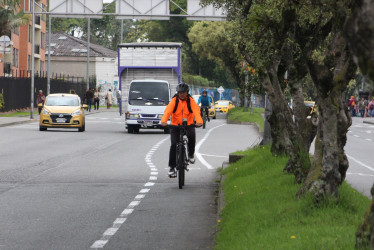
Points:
(32, 61)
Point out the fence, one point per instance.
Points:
(17, 91)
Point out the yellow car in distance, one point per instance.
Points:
(224, 106)
(62, 111)
(310, 108)
(212, 110)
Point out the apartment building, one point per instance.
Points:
(18, 59)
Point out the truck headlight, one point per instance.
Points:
(160, 116)
(133, 116)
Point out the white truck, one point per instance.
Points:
(149, 73)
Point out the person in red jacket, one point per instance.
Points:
(183, 110)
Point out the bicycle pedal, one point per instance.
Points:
(173, 176)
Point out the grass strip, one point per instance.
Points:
(238, 115)
(262, 212)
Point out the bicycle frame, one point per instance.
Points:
(182, 159)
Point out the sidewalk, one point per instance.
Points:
(9, 121)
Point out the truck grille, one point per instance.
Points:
(149, 115)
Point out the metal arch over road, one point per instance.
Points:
(131, 9)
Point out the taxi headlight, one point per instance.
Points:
(45, 112)
(77, 112)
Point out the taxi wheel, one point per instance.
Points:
(215, 116)
(83, 128)
(42, 129)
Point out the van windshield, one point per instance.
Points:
(149, 94)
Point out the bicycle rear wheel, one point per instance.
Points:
(180, 165)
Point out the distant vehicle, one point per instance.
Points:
(212, 110)
(149, 74)
(311, 106)
(224, 105)
(62, 111)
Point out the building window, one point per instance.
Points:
(15, 30)
(29, 62)
(30, 33)
(15, 57)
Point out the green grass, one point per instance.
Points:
(238, 115)
(262, 212)
(17, 114)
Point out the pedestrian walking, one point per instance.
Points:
(371, 108)
(40, 99)
(88, 99)
(361, 107)
(108, 98)
(96, 99)
(351, 106)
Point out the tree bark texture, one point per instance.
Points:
(331, 78)
(287, 138)
(359, 31)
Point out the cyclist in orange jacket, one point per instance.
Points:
(182, 106)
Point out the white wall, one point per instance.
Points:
(107, 76)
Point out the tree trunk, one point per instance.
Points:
(359, 31)
(334, 119)
(287, 138)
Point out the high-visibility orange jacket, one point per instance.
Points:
(182, 112)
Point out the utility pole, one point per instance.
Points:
(32, 61)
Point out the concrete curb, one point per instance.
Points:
(18, 122)
(368, 122)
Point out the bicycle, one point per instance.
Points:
(182, 160)
(204, 114)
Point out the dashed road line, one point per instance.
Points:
(118, 222)
(361, 163)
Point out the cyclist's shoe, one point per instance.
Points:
(171, 172)
(192, 159)
(208, 119)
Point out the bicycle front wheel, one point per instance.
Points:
(180, 165)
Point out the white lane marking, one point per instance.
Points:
(127, 211)
(356, 136)
(139, 196)
(215, 155)
(109, 232)
(360, 174)
(198, 155)
(367, 139)
(361, 163)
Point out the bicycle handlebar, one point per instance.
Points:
(182, 126)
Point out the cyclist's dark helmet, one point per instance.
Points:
(183, 88)
(205, 92)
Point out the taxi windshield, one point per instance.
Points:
(224, 103)
(62, 101)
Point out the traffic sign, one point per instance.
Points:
(220, 90)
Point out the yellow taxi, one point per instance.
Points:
(310, 108)
(62, 111)
(224, 105)
(212, 110)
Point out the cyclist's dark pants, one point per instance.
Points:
(206, 111)
(174, 134)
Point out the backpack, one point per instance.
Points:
(177, 101)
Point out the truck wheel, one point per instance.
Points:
(136, 130)
(130, 129)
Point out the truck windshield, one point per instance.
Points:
(149, 94)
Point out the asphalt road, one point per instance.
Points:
(104, 188)
(359, 150)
